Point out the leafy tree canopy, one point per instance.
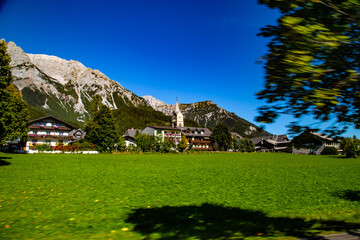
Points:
(100, 129)
(313, 63)
(221, 136)
(14, 115)
(351, 147)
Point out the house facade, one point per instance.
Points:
(198, 138)
(273, 143)
(51, 131)
(313, 143)
(172, 134)
(129, 137)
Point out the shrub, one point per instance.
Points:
(43, 147)
(351, 147)
(246, 145)
(329, 151)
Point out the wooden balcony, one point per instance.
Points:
(43, 136)
(39, 127)
(201, 142)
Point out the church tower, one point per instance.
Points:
(178, 118)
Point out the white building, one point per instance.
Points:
(52, 131)
(172, 134)
(177, 118)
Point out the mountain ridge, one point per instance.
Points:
(209, 114)
(64, 88)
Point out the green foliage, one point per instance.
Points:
(43, 147)
(183, 145)
(221, 137)
(129, 116)
(312, 66)
(246, 145)
(100, 130)
(330, 151)
(14, 115)
(79, 146)
(35, 112)
(350, 146)
(94, 105)
(167, 146)
(149, 143)
(241, 195)
(120, 145)
(145, 142)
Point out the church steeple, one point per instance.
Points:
(178, 118)
(177, 109)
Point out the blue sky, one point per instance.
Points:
(195, 50)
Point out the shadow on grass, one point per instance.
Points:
(3, 162)
(351, 195)
(216, 221)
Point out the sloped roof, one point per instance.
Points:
(323, 136)
(50, 116)
(276, 138)
(164, 128)
(206, 131)
(131, 133)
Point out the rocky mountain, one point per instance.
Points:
(208, 114)
(64, 88)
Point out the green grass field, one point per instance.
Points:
(204, 196)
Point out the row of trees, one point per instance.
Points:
(14, 115)
(102, 131)
(222, 140)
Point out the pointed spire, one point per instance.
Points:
(177, 109)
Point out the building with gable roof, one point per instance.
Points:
(313, 143)
(273, 143)
(198, 137)
(177, 118)
(52, 131)
(130, 137)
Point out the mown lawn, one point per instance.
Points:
(204, 196)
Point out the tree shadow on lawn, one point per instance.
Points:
(216, 221)
(351, 195)
(3, 162)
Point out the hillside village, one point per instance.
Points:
(51, 134)
(59, 94)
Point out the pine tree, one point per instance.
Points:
(14, 115)
(221, 136)
(100, 130)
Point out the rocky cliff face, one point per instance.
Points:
(64, 88)
(208, 114)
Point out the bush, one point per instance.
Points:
(246, 145)
(330, 151)
(351, 147)
(43, 147)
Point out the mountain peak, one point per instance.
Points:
(64, 87)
